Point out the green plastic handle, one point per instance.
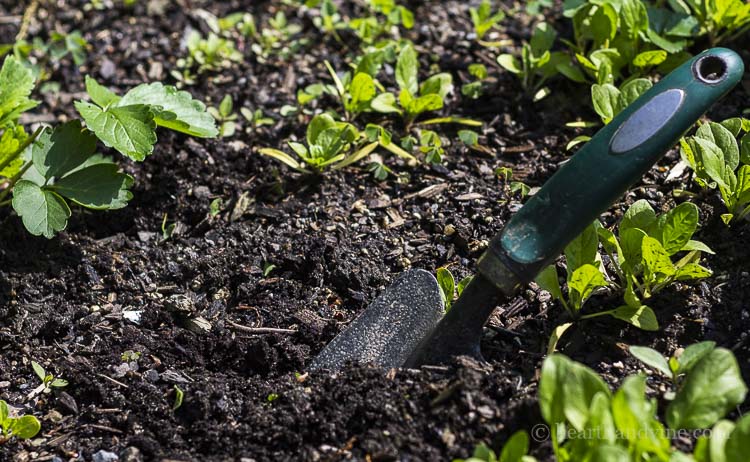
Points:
(615, 158)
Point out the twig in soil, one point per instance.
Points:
(260, 330)
(104, 428)
(112, 380)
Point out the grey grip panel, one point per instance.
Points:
(646, 121)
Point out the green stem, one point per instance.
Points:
(12, 182)
(21, 148)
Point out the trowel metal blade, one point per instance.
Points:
(387, 332)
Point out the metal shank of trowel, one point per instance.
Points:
(602, 171)
(594, 178)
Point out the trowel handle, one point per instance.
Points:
(600, 173)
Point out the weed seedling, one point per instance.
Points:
(484, 19)
(225, 116)
(49, 381)
(23, 427)
(448, 287)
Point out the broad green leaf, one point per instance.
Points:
(633, 18)
(384, 103)
(655, 259)
(697, 245)
(462, 284)
(738, 445)
(583, 282)
(362, 90)
(745, 149)
(131, 130)
(677, 226)
(631, 91)
(650, 58)
(691, 272)
(100, 187)
(712, 160)
(651, 358)
(439, 84)
(720, 434)
(38, 370)
(555, 370)
(642, 317)
(609, 453)
(734, 125)
(173, 109)
(43, 212)
(711, 389)
(25, 427)
(509, 63)
(603, 24)
(407, 68)
(10, 142)
(723, 139)
(16, 84)
(548, 281)
(634, 417)
(447, 286)
(556, 335)
(100, 94)
(640, 215)
(610, 243)
(692, 354)
(583, 249)
(55, 153)
(600, 424)
(605, 99)
(4, 412)
(515, 448)
(318, 125)
(631, 241)
(579, 388)
(425, 103)
(542, 39)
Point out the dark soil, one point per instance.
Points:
(335, 242)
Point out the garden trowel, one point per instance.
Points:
(405, 326)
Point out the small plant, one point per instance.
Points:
(49, 381)
(225, 116)
(384, 16)
(589, 422)
(720, 20)
(179, 396)
(641, 257)
(359, 93)
(677, 366)
(48, 169)
(448, 287)
(211, 53)
(484, 19)
(256, 118)
(609, 101)
(277, 39)
(474, 89)
(23, 427)
(722, 162)
(328, 143)
(415, 98)
(514, 450)
(538, 63)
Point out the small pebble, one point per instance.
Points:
(104, 456)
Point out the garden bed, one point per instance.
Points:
(110, 284)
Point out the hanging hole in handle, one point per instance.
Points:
(710, 69)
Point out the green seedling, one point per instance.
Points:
(614, 39)
(475, 89)
(722, 162)
(384, 138)
(211, 53)
(609, 101)
(225, 116)
(514, 450)
(484, 19)
(505, 174)
(179, 396)
(49, 381)
(167, 229)
(640, 257)
(358, 91)
(23, 427)
(51, 167)
(216, 206)
(537, 63)
(415, 98)
(256, 118)
(448, 287)
(384, 17)
(278, 39)
(675, 367)
(576, 402)
(719, 20)
(328, 145)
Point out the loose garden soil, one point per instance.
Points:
(72, 303)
